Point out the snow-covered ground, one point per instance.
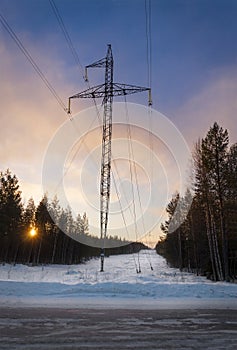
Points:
(119, 286)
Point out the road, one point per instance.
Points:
(55, 328)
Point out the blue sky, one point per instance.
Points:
(190, 39)
(194, 68)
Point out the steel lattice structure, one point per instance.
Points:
(106, 91)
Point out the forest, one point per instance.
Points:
(205, 241)
(202, 239)
(30, 234)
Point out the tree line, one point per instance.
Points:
(205, 240)
(46, 233)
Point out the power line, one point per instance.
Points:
(43, 77)
(135, 173)
(73, 51)
(124, 220)
(81, 143)
(149, 78)
(131, 167)
(148, 41)
(32, 62)
(77, 60)
(66, 35)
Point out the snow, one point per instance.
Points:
(119, 286)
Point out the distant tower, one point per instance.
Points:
(107, 90)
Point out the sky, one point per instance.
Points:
(193, 78)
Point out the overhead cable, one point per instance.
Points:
(66, 34)
(148, 41)
(32, 61)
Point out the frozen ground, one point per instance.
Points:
(118, 287)
(104, 329)
(77, 307)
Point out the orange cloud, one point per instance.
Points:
(29, 113)
(215, 102)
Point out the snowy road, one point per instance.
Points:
(61, 329)
(119, 286)
(77, 307)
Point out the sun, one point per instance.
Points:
(33, 232)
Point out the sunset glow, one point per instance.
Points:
(33, 232)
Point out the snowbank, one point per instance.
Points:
(119, 286)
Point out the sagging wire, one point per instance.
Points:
(32, 62)
(149, 81)
(132, 167)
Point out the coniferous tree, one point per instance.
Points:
(232, 173)
(43, 234)
(207, 236)
(29, 215)
(28, 224)
(203, 189)
(44, 223)
(10, 215)
(54, 210)
(215, 154)
(231, 210)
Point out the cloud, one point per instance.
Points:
(29, 113)
(215, 102)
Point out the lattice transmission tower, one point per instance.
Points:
(107, 91)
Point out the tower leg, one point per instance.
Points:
(102, 257)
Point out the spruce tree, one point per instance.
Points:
(215, 155)
(10, 215)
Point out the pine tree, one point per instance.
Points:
(28, 223)
(231, 210)
(203, 188)
(54, 210)
(44, 224)
(232, 173)
(10, 215)
(213, 212)
(172, 243)
(29, 215)
(215, 156)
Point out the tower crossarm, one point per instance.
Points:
(125, 89)
(93, 92)
(98, 64)
(118, 89)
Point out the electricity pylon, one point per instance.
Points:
(106, 91)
